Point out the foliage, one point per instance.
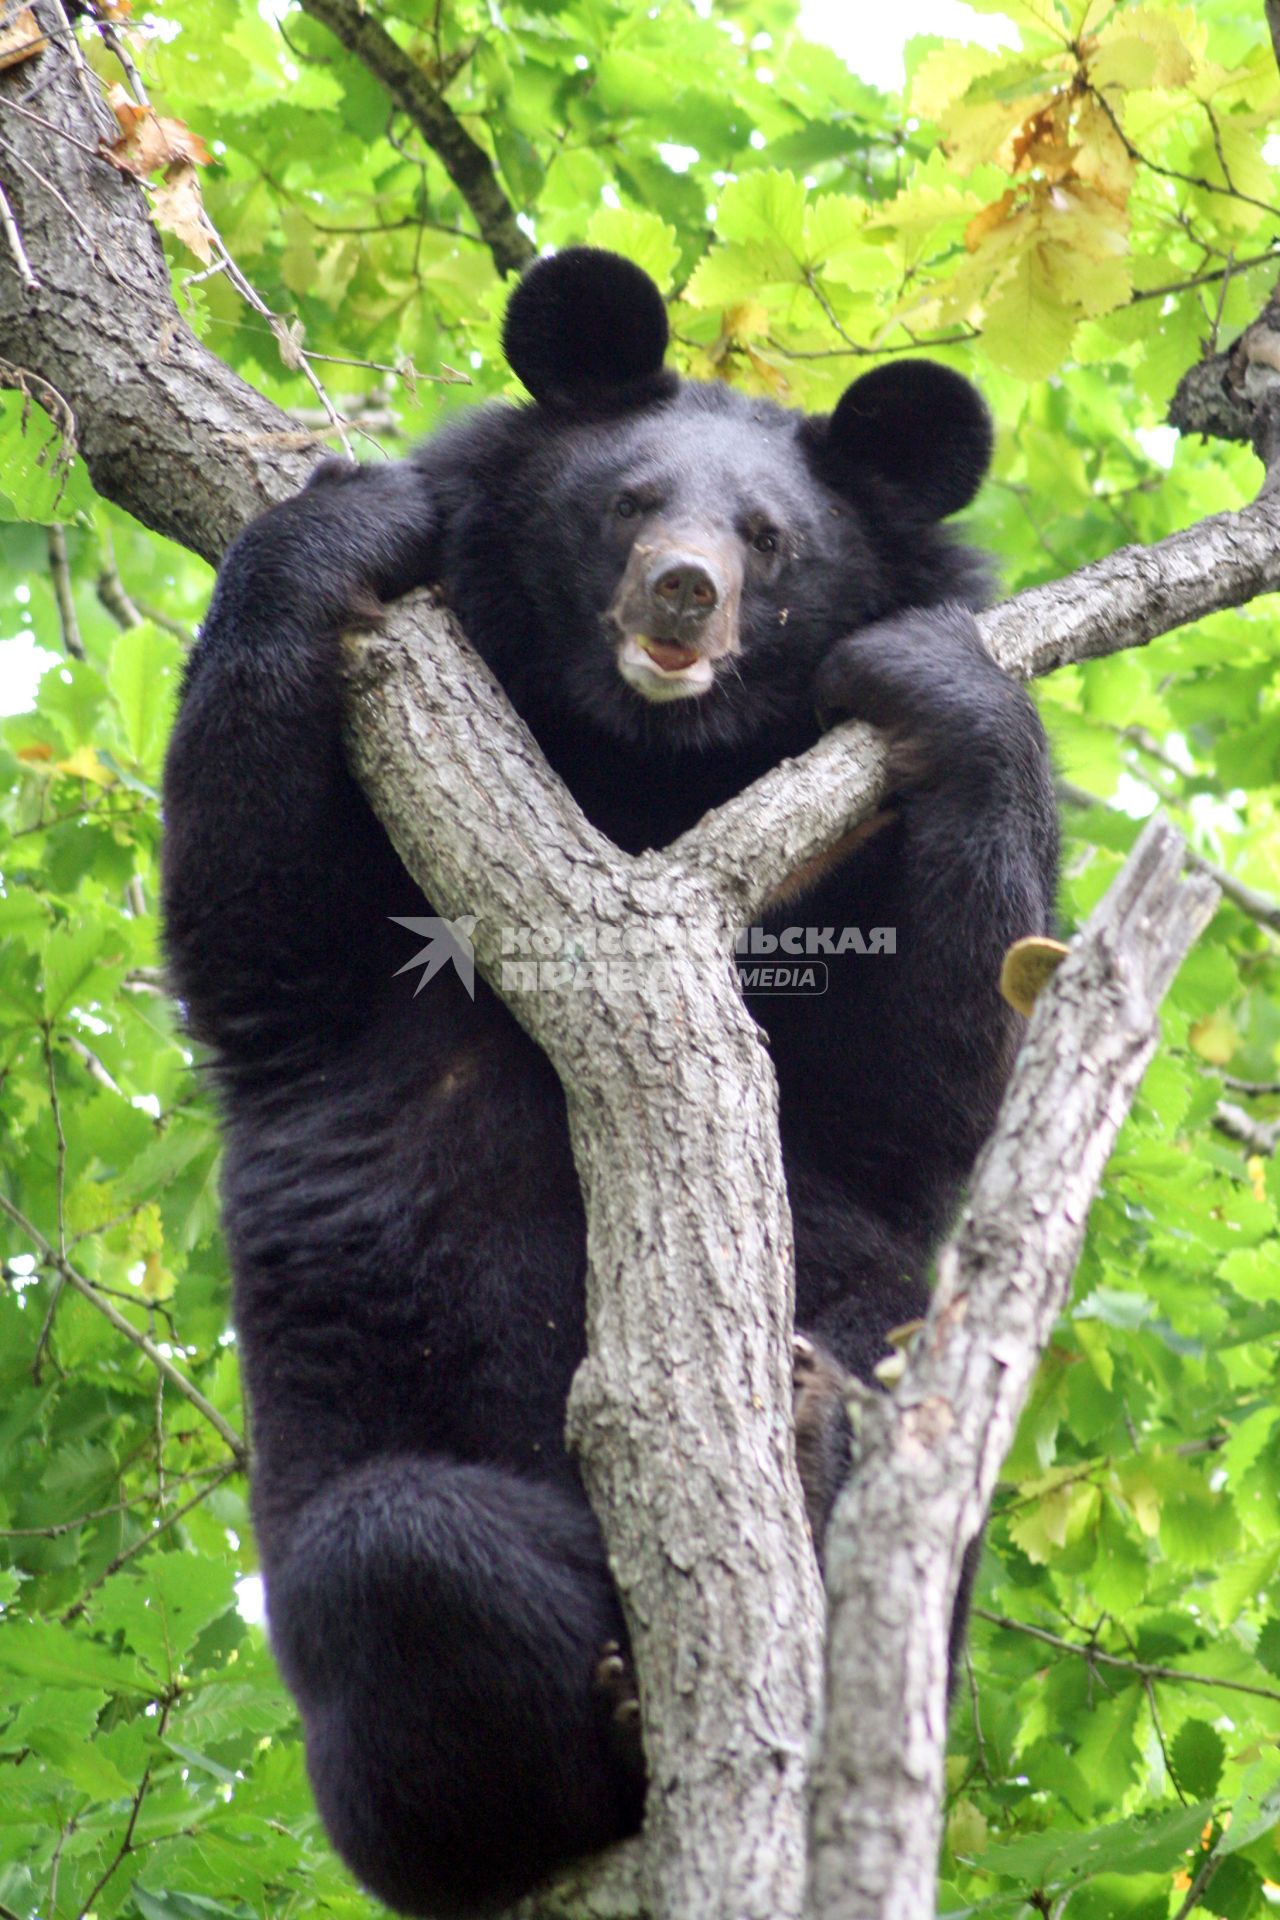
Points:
(1073, 220)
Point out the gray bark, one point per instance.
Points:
(166, 429)
(932, 1452)
(681, 1414)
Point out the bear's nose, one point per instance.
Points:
(684, 587)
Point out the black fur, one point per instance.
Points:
(401, 1207)
(586, 322)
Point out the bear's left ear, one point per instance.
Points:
(583, 324)
(913, 423)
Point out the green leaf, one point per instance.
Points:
(169, 1904)
(643, 237)
(764, 207)
(1138, 1845)
(1196, 1757)
(161, 1610)
(37, 481)
(1256, 1809)
(144, 677)
(1268, 1647)
(52, 1656)
(1234, 1892)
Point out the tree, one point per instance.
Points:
(1098, 209)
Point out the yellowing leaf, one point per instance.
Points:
(1028, 328)
(973, 134)
(1094, 286)
(157, 1281)
(1214, 1039)
(1078, 217)
(1043, 145)
(1142, 1497)
(1141, 47)
(989, 219)
(921, 210)
(769, 373)
(1242, 161)
(1040, 15)
(946, 76)
(750, 321)
(84, 764)
(1059, 1517)
(966, 1829)
(1102, 158)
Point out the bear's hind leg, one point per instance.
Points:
(449, 1631)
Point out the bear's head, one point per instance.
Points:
(695, 551)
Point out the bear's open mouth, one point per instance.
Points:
(670, 657)
(662, 670)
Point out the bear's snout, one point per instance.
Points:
(683, 588)
(682, 591)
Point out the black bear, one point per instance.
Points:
(671, 580)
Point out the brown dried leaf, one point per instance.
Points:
(147, 141)
(21, 39)
(125, 107)
(176, 207)
(185, 145)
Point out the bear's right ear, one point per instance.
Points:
(584, 325)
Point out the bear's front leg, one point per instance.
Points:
(952, 715)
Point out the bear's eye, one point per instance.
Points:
(626, 506)
(766, 541)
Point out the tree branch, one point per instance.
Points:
(166, 429)
(755, 841)
(1236, 395)
(1140, 1669)
(672, 1111)
(60, 573)
(1258, 1136)
(463, 159)
(931, 1454)
(51, 1258)
(1262, 907)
